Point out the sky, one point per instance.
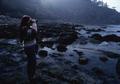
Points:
(113, 3)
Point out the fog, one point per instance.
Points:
(113, 3)
(68, 10)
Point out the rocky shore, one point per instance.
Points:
(68, 54)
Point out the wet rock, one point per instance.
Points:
(83, 60)
(97, 37)
(67, 38)
(103, 58)
(42, 65)
(75, 67)
(8, 31)
(95, 30)
(103, 26)
(67, 62)
(49, 44)
(71, 55)
(112, 37)
(43, 53)
(41, 44)
(98, 72)
(79, 25)
(83, 40)
(118, 31)
(111, 54)
(9, 60)
(76, 81)
(107, 38)
(61, 48)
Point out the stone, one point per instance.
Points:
(43, 53)
(112, 37)
(83, 60)
(61, 48)
(97, 37)
(111, 54)
(98, 71)
(76, 81)
(67, 38)
(103, 58)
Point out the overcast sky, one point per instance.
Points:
(113, 3)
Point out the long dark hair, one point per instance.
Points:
(25, 21)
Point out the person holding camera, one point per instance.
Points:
(28, 37)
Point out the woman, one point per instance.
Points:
(28, 36)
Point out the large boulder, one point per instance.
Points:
(67, 38)
(97, 37)
(43, 53)
(83, 60)
(111, 37)
(103, 58)
(61, 48)
(8, 31)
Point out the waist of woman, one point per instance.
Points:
(29, 43)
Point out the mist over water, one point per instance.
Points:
(82, 11)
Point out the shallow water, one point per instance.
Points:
(111, 29)
(65, 60)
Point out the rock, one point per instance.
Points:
(103, 58)
(83, 40)
(41, 45)
(112, 37)
(43, 53)
(71, 55)
(95, 30)
(98, 71)
(42, 65)
(111, 54)
(67, 38)
(75, 67)
(104, 27)
(83, 60)
(9, 60)
(8, 31)
(97, 37)
(118, 31)
(61, 48)
(76, 81)
(67, 62)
